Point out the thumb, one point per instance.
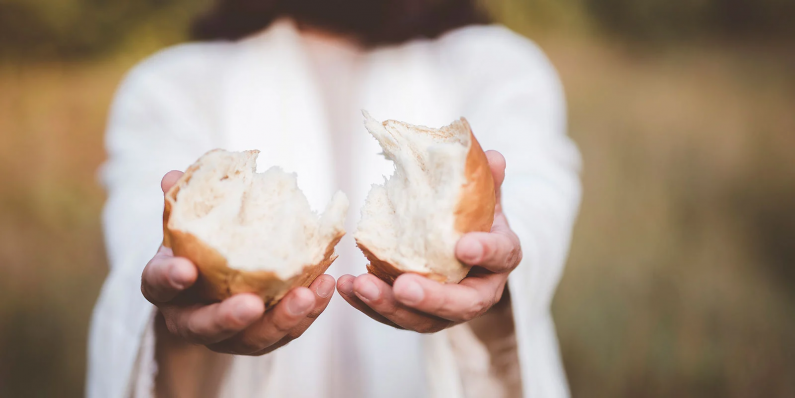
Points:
(170, 179)
(497, 165)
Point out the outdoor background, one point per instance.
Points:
(681, 280)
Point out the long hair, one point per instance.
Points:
(370, 22)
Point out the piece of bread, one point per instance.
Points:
(249, 232)
(442, 188)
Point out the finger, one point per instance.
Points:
(165, 276)
(272, 327)
(497, 251)
(323, 288)
(345, 288)
(379, 296)
(455, 302)
(497, 165)
(216, 322)
(170, 179)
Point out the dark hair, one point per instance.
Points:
(370, 22)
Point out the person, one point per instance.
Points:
(289, 78)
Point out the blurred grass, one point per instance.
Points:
(52, 259)
(680, 281)
(77, 29)
(51, 250)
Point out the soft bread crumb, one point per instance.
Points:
(258, 221)
(410, 220)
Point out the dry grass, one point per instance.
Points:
(51, 122)
(680, 280)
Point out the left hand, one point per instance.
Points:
(426, 306)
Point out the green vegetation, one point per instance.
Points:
(58, 29)
(80, 28)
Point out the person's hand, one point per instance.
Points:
(237, 325)
(423, 305)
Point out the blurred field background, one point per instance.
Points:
(681, 280)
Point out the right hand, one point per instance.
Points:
(237, 325)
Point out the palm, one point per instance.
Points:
(420, 304)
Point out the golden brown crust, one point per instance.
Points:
(217, 281)
(388, 272)
(474, 212)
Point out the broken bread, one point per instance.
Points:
(441, 189)
(249, 232)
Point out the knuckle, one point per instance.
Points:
(497, 297)
(227, 322)
(294, 334)
(478, 308)
(488, 248)
(387, 308)
(145, 292)
(172, 327)
(286, 340)
(268, 349)
(395, 325)
(441, 305)
(517, 255)
(257, 353)
(514, 256)
(424, 328)
(222, 348)
(281, 327)
(154, 283)
(482, 305)
(444, 304)
(192, 332)
(218, 348)
(247, 345)
(470, 315)
(431, 327)
(315, 313)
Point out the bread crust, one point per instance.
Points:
(473, 213)
(388, 272)
(477, 200)
(217, 281)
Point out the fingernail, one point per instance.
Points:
(299, 307)
(410, 293)
(368, 291)
(244, 311)
(177, 277)
(472, 253)
(325, 288)
(346, 287)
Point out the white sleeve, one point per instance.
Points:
(514, 101)
(155, 126)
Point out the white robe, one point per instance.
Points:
(259, 93)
